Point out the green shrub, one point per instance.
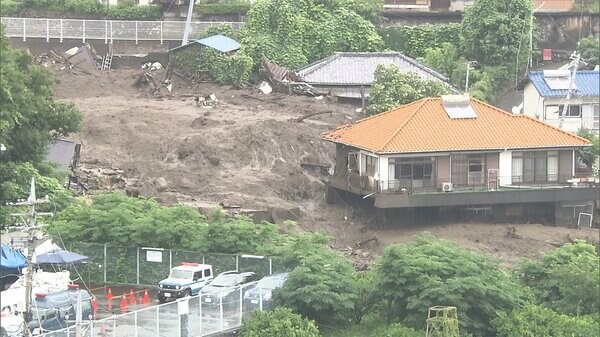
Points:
(226, 8)
(414, 40)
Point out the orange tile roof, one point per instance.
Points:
(424, 126)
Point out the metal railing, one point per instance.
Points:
(147, 266)
(106, 30)
(202, 315)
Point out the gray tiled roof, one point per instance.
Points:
(359, 68)
(61, 152)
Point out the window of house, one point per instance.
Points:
(468, 169)
(535, 166)
(408, 170)
(353, 162)
(551, 112)
(371, 166)
(572, 111)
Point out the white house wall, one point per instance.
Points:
(533, 104)
(505, 168)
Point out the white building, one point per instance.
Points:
(545, 96)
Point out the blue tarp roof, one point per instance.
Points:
(219, 42)
(586, 81)
(12, 258)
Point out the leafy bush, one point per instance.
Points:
(410, 278)
(590, 51)
(533, 320)
(393, 88)
(566, 279)
(279, 322)
(322, 286)
(10, 7)
(413, 41)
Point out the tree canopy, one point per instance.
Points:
(29, 116)
(393, 88)
(411, 278)
(566, 279)
(293, 33)
(494, 30)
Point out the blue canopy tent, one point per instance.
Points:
(60, 257)
(11, 261)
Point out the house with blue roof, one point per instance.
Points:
(545, 95)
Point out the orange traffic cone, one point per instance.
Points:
(124, 303)
(109, 295)
(146, 297)
(94, 305)
(131, 297)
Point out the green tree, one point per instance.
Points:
(393, 88)
(116, 219)
(410, 278)
(29, 117)
(443, 59)
(321, 287)
(589, 155)
(279, 322)
(533, 320)
(590, 51)
(365, 295)
(493, 30)
(566, 279)
(293, 33)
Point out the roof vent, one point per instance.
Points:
(458, 106)
(558, 79)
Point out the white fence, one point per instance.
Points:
(202, 315)
(107, 30)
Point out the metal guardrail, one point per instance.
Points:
(107, 30)
(202, 315)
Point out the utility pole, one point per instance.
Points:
(30, 226)
(574, 65)
(469, 64)
(188, 22)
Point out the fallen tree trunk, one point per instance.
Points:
(298, 120)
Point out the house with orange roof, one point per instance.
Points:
(458, 154)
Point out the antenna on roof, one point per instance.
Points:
(574, 64)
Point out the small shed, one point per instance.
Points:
(218, 42)
(64, 153)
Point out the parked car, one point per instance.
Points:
(184, 280)
(225, 287)
(263, 291)
(57, 310)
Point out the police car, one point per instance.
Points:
(184, 280)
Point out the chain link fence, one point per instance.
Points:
(147, 266)
(202, 315)
(107, 30)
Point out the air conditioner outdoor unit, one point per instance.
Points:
(447, 187)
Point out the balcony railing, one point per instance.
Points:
(365, 184)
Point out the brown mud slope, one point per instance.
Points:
(248, 150)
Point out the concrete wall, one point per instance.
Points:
(533, 103)
(37, 46)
